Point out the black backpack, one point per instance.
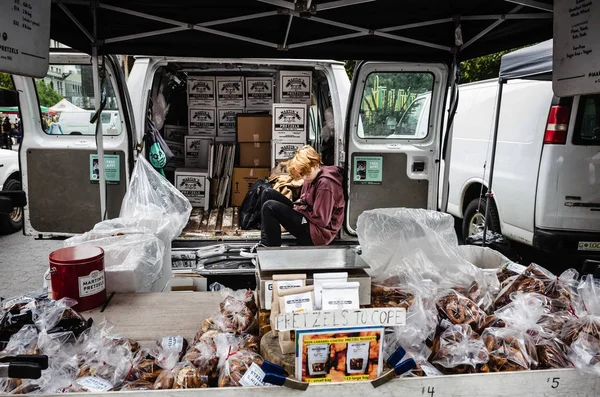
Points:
(249, 215)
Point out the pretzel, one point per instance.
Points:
(189, 378)
(460, 310)
(531, 285)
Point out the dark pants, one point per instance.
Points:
(277, 211)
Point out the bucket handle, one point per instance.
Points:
(49, 273)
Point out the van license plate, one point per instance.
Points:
(589, 246)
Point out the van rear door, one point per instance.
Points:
(391, 161)
(578, 168)
(59, 170)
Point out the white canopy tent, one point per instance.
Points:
(65, 106)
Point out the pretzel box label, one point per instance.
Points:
(289, 123)
(201, 91)
(295, 87)
(230, 91)
(259, 92)
(228, 121)
(203, 121)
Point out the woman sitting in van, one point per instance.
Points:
(316, 217)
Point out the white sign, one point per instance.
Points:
(91, 284)
(576, 57)
(25, 37)
(253, 377)
(386, 317)
(94, 384)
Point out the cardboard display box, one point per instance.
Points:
(290, 122)
(295, 87)
(283, 151)
(254, 128)
(227, 121)
(196, 151)
(178, 149)
(202, 121)
(262, 110)
(230, 91)
(193, 183)
(259, 92)
(242, 181)
(257, 154)
(174, 133)
(201, 91)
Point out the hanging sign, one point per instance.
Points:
(576, 53)
(112, 169)
(368, 170)
(25, 37)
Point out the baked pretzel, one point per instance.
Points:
(531, 285)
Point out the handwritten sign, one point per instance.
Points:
(341, 318)
(576, 57)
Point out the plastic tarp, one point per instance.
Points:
(530, 62)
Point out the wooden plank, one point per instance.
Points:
(227, 220)
(146, 317)
(204, 223)
(236, 220)
(212, 220)
(194, 221)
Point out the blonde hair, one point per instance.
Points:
(305, 159)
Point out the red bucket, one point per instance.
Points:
(78, 273)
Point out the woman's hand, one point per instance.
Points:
(300, 207)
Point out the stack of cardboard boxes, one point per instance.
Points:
(242, 110)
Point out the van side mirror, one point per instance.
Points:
(9, 98)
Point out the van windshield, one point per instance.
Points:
(66, 97)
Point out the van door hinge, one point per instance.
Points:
(342, 157)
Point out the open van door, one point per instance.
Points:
(393, 137)
(58, 162)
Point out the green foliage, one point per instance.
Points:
(6, 81)
(48, 97)
(350, 65)
(482, 68)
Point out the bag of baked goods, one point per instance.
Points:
(458, 309)
(552, 353)
(587, 310)
(230, 296)
(461, 350)
(507, 350)
(585, 353)
(242, 368)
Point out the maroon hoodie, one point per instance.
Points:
(325, 209)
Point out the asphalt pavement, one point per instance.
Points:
(23, 262)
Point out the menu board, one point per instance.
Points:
(576, 57)
(24, 37)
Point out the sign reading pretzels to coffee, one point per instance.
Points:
(386, 317)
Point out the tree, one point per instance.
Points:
(482, 68)
(6, 81)
(48, 97)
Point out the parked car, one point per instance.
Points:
(78, 123)
(10, 180)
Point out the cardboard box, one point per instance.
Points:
(196, 151)
(193, 183)
(259, 92)
(261, 110)
(202, 121)
(187, 282)
(295, 87)
(227, 121)
(230, 91)
(242, 181)
(290, 122)
(178, 149)
(283, 151)
(201, 91)
(174, 133)
(257, 154)
(254, 128)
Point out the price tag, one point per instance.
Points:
(253, 377)
(173, 343)
(94, 384)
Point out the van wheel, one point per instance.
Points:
(474, 219)
(13, 222)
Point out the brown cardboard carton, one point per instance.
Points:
(257, 154)
(242, 181)
(254, 127)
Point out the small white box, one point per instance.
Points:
(178, 149)
(230, 91)
(201, 91)
(289, 122)
(193, 183)
(259, 92)
(227, 121)
(283, 151)
(196, 151)
(174, 133)
(295, 87)
(203, 121)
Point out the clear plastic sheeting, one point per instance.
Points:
(132, 262)
(402, 244)
(155, 203)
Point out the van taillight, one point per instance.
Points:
(558, 124)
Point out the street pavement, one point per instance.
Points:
(23, 262)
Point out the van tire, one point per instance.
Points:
(11, 223)
(475, 213)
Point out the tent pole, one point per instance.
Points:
(490, 193)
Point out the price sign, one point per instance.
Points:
(25, 37)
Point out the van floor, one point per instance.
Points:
(216, 224)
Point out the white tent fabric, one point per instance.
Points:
(66, 106)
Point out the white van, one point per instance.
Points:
(78, 123)
(546, 186)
